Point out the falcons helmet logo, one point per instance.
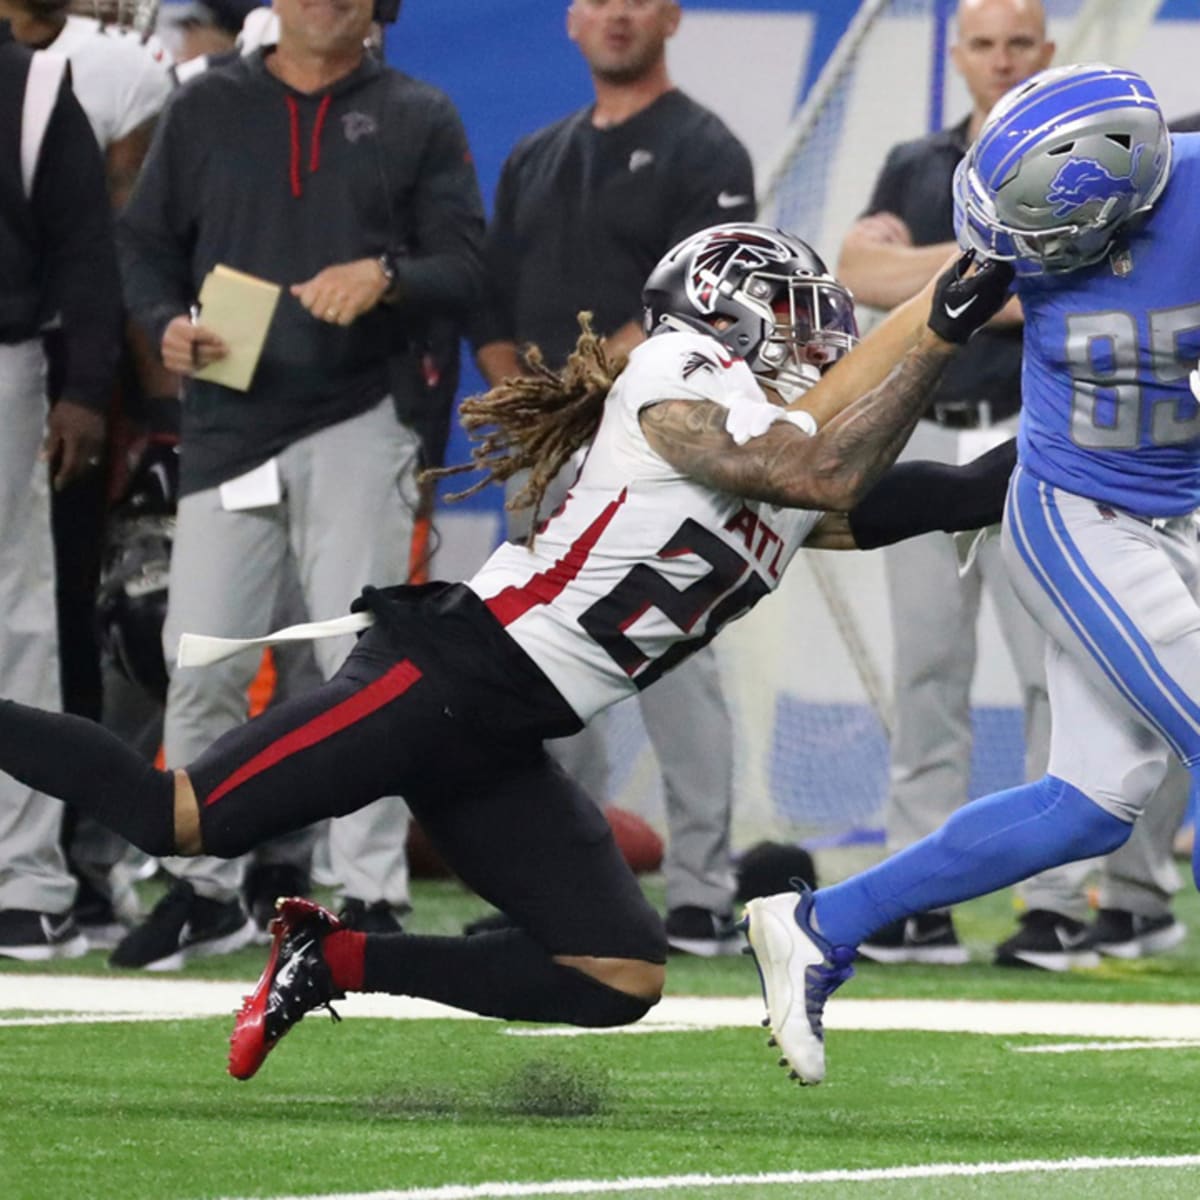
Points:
(719, 256)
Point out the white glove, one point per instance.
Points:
(747, 419)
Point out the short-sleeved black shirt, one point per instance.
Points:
(916, 184)
(583, 214)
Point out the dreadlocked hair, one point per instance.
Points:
(536, 421)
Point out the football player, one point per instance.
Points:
(1076, 181)
(703, 477)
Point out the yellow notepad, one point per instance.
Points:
(238, 307)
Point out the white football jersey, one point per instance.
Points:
(119, 82)
(641, 565)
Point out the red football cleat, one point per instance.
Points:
(295, 980)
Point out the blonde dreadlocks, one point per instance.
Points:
(537, 421)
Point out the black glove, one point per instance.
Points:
(962, 303)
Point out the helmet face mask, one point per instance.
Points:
(1062, 164)
(763, 294)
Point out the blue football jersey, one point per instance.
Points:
(1106, 407)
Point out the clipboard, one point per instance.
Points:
(238, 308)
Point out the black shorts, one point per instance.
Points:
(409, 714)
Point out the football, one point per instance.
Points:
(637, 840)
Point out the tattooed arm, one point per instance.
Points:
(832, 470)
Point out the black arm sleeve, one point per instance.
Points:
(919, 497)
(70, 200)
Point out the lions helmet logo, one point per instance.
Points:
(1083, 180)
(720, 254)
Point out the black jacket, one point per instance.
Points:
(247, 172)
(56, 244)
(583, 214)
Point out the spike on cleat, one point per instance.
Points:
(799, 970)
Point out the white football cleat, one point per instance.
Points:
(799, 970)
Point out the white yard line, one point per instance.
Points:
(666, 1183)
(1109, 1047)
(41, 997)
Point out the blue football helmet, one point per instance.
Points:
(1062, 163)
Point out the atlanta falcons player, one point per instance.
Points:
(699, 485)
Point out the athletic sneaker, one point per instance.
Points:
(1120, 934)
(295, 980)
(925, 937)
(362, 917)
(184, 925)
(38, 936)
(694, 930)
(1050, 941)
(96, 918)
(799, 970)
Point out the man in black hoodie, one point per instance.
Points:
(310, 164)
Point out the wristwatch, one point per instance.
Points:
(388, 269)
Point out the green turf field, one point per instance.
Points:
(439, 1108)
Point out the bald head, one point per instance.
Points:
(999, 44)
(1034, 10)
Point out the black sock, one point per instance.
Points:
(82, 764)
(505, 974)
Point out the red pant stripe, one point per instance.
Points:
(362, 704)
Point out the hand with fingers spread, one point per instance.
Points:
(965, 300)
(341, 294)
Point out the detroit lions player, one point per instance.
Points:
(1068, 180)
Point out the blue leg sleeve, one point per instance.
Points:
(1193, 816)
(988, 844)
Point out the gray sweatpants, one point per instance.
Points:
(346, 518)
(33, 872)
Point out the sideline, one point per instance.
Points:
(27, 999)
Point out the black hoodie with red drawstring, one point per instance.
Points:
(248, 172)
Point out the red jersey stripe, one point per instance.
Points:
(542, 588)
(362, 704)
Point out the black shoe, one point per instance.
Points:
(268, 882)
(694, 930)
(184, 925)
(96, 918)
(1050, 941)
(379, 917)
(925, 937)
(1120, 934)
(38, 936)
(295, 980)
(496, 922)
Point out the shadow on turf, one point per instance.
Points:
(539, 1087)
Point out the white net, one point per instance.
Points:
(808, 674)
